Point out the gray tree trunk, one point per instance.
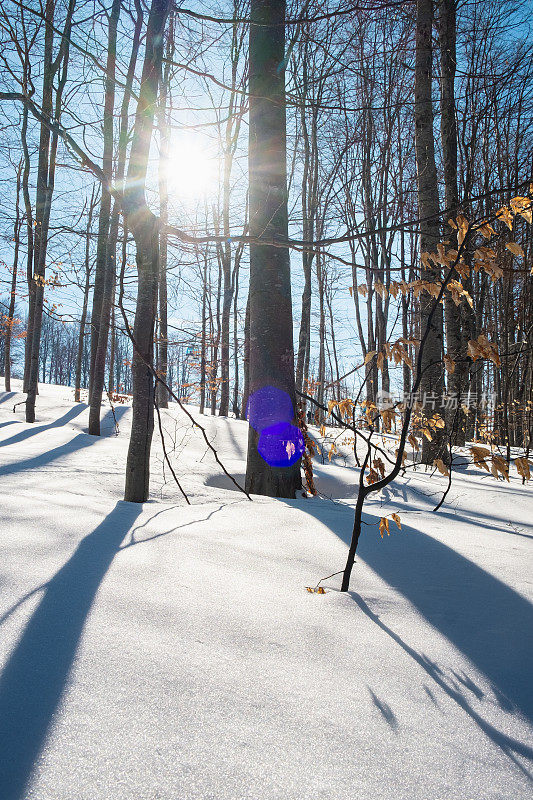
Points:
(432, 383)
(145, 229)
(455, 344)
(271, 330)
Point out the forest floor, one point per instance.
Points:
(171, 651)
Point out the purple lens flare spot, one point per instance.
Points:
(268, 406)
(281, 445)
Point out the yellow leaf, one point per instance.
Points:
(346, 406)
(369, 356)
(380, 466)
(396, 518)
(522, 467)
(523, 206)
(449, 363)
(441, 466)
(380, 289)
(505, 215)
(384, 526)
(363, 289)
(486, 230)
(310, 589)
(499, 465)
(479, 455)
(462, 228)
(515, 249)
(321, 590)
(413, 442)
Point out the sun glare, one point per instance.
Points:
(191, 170)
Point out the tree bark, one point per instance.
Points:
(145, 229)
(457, 380)
(83, 320)
(106, 249)
(271, 330)
(432, 382)
(12, 297)
(45, 187)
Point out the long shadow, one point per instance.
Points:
(485, 619)
(79, 442)
(71, 414)
(509, 745)
(5, 396)
(36, 675)
(9, 422)
(232, 438)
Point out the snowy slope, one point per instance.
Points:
(171, 651)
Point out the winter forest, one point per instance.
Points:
(266, 413)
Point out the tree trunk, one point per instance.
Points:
(457, 380)
(81, 338)
(45, 184)
(246, 361)
(432, 383)
(271, 331)
(12, 298)
(33, 335)
(106, 249)
(203, 373)
(162, 345)
(145, 229)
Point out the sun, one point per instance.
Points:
(190, 170)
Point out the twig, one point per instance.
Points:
(158, 379)
(167, 459)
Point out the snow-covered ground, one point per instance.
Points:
(171, 651)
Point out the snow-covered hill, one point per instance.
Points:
(171, 651)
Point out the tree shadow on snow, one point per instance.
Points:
(5, 396)
(79, 442)
(511, 747)
(71, 414)
(481, 616)
(37, 672)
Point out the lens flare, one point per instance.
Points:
(270, 412)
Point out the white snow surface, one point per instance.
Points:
(171, 651)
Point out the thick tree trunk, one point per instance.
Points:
(457, 380)
(29, 241)
(106, 248)
(432, 383)
(45, 183)
(164, 130)
(36, 295)
(271, 330)
(145, 229)
(146, 233)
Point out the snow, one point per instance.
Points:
(171, 651)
